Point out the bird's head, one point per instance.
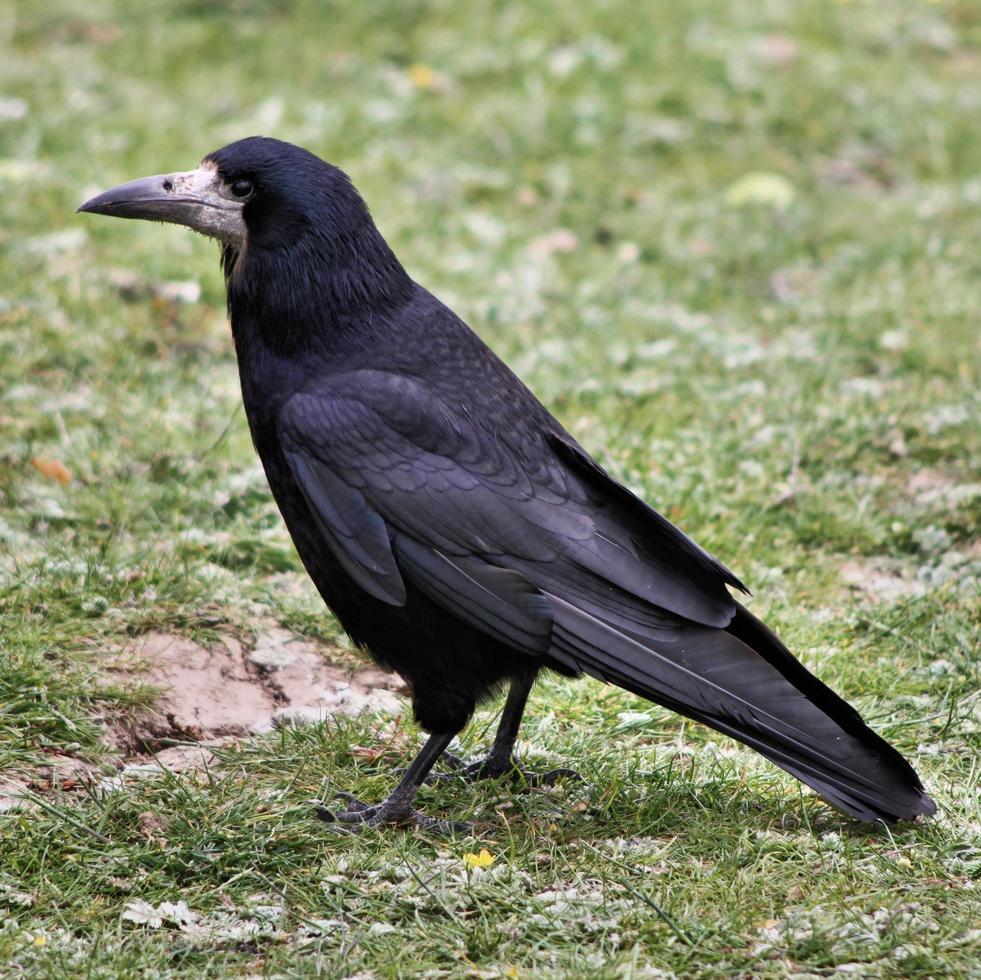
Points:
(257, 191)
(295, 234)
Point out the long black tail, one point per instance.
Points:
(743, 681)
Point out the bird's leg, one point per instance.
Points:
(500, 760)
(397, 807)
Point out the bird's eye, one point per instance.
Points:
(242, 188)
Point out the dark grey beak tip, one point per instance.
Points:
(148, 197)
(106, 203)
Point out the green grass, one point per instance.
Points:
(796, 385)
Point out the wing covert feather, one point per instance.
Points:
(378, 452)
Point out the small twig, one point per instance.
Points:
(286, 902)
(675, 928)
(668, 919)
(207, 452)
(864, 620)
(430, 892)
(55, 812)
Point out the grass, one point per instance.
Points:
(785, 364)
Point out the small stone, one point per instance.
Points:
(271, 654)
(778, 50)
(10, 796)
(12, 109)
(628, 251)
(179, 291)
(136, 288)
(55, 242)
(559, 240)
(897, 446)
(299, 716)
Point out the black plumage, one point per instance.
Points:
(457, 531)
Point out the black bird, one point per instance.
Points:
(457, 531)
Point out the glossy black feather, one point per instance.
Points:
(459, 533)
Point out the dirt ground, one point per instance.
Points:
(210, 695)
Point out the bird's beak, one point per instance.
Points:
(195, 198)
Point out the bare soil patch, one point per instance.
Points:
(878, 582)
(231, 689)
(932, 488)
(208, 696)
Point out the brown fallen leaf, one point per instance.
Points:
(52, 469)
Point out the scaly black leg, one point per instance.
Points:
(500, 760)
(397, 807)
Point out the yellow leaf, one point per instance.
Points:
(51, 469)
(422, 76)
(512, 973)
(760, 187)
(482, 860)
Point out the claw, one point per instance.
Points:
(361, 815)
(356, 804)
(447, 828)
(551, 777)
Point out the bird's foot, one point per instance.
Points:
(391, 813)
(494, 767)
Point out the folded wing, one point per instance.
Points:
(538, 547)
